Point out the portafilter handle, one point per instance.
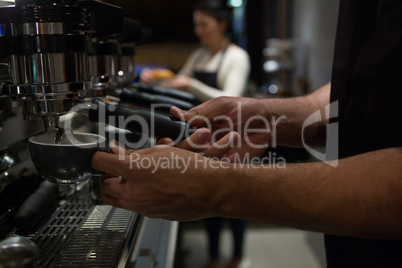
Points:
(161, 102)
(169, 92)
(139, 121)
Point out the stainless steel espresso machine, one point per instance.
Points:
(49, 58)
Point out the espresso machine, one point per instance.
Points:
(113, 72)
(50, 53)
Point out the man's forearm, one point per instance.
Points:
(361, 197)
(288, 116)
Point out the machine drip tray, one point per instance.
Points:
(81, 234)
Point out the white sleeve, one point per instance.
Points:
(188, 67)
(232, 75)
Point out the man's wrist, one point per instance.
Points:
(226, 199)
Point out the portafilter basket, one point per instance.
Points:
(68, 162)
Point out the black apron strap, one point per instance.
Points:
(210, 78)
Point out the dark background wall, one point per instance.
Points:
(313, 28)
(169, 20)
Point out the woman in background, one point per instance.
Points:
(218, 68)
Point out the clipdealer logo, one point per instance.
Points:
(182, 164)
(331, 154)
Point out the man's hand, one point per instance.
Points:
(200, 142)
(161, 182)
(224, 115)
